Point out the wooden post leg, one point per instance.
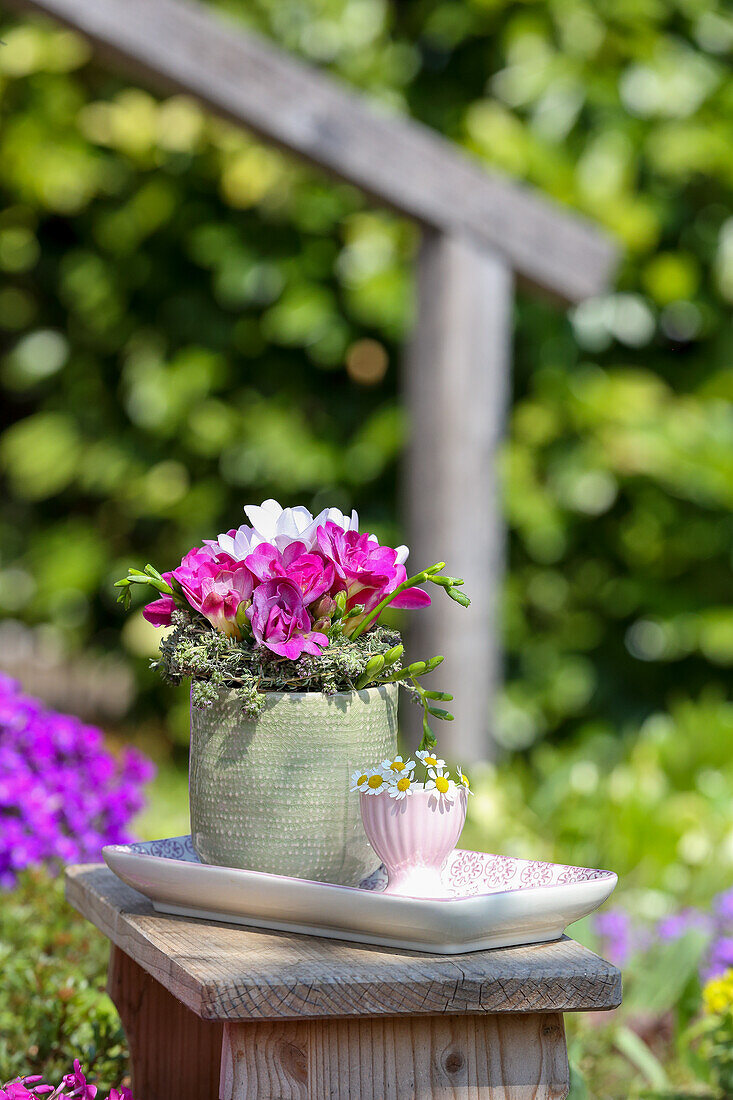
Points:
(499, 1057)
(456, 383)
(175, 1055)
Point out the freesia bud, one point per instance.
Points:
(323, 608)
(241, 616)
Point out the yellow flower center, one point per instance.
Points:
(375, 781)
(397, 766)
(442, 784)
(361, 779)
(404, 783)
(431, 761)
(465, 781)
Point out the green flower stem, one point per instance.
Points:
(419, 578)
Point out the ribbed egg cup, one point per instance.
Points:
(414, 836)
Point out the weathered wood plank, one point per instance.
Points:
(181, 45)
(487, 1057)
(174, 1054)
(222, 972)
(456, 385)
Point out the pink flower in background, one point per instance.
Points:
(368, 571)
(312, 573)
(19, 1090)
(280, 620)
(29, 1088)
(76, 1081)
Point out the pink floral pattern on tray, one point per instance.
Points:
(465, 873)
(468, 873)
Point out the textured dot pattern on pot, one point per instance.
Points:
(272, 794)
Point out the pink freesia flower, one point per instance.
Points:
(199, 564)
(280, 620)
(17, 1090)
(312, 573)
(368, 571)
(76, 1081)
(221, 596)
(159, 611)
(214, 584)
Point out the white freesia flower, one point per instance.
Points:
(281, 526)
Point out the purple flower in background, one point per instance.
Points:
(676, 925)
(723, 907)
(615, 929)
(719, 959)
(62, 793)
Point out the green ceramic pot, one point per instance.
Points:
(272, 794)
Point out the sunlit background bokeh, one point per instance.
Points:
(191, 320)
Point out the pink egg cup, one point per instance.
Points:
(413, 837)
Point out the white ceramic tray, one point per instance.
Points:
(490, 900)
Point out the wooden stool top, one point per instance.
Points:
(226, 972)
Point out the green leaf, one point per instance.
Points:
(441, 696)
(638, 1053)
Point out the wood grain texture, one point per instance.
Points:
(223, 972)
(456, 387)
(173, 1052)
(487, 1057)
(180, 45)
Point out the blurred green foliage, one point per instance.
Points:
(54, 1007)
(192, 320)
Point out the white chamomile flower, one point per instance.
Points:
(376, 782)
(429, 759)
(359, 781)
(440, 782)
(463, 780)
(403, 788)
(398, 766)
